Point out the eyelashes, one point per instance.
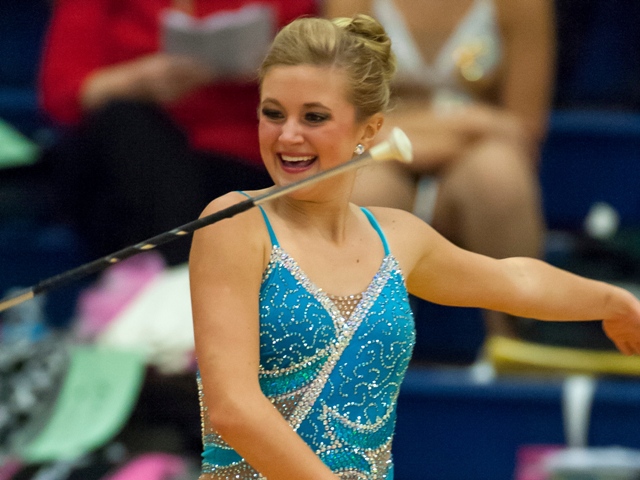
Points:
(272, 114)
(311, 118)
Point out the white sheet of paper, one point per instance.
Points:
(231, 43)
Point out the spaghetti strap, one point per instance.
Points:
(374, 223)
(272, 234)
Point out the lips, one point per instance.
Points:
(296, 163)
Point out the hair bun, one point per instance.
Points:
(374, 36)
(367, 27)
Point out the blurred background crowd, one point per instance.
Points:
(525, 120)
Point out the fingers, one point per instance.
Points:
(624, 333)
(625, 348)
(633, 348)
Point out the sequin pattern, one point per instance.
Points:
(331, 366)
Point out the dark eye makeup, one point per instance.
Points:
(310, 117)
(272, 113)
(314, 117)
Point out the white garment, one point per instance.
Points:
(158, 323)
(476, 37)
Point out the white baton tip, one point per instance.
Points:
(396, 147)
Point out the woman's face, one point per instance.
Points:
(307, 123)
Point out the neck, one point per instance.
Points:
(327, 218)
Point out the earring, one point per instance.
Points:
(359, 149)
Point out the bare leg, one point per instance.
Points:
(489, 202)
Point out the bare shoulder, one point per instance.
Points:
(225, 201)
(395, 218)
(239, 235)
(230, 200)
(409, 236)
(234, 224)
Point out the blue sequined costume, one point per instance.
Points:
(333, 370)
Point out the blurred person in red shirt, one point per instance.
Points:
(148, 138)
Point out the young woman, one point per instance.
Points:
(303, 329)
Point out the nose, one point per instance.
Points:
(291, 132)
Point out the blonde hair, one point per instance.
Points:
(359, 46)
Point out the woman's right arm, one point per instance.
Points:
(226, 264)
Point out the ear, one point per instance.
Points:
(370, 129)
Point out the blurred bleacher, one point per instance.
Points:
(20, 45)
(31, 247)
(451, 425)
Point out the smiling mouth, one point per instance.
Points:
(297, 163)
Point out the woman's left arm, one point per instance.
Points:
(438, 271)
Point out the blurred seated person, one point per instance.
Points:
(149, 138)
(473, 94)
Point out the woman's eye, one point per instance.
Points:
(272, 113)
(315, 117)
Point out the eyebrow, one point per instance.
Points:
(306, 105)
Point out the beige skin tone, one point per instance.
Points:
(159, 78)
(305, 111)
(485, 156)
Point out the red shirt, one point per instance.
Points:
(86, 35)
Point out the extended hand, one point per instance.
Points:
(624, 330)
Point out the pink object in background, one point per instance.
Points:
(9, 468)
(118, 285)
(151, 466)
(530, 461)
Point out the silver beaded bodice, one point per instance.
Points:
(331, 366)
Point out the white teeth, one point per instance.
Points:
(287, 158)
